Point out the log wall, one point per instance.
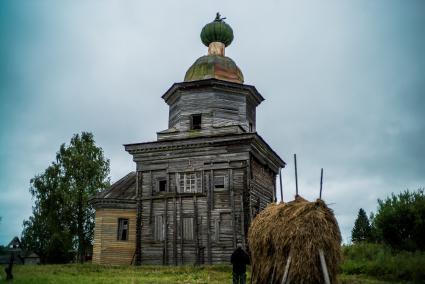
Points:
(107, 249)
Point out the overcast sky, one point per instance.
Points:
(344, 83)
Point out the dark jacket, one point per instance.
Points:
(239, 260)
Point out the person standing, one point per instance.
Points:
(239, 260)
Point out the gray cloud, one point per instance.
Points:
(343, 83)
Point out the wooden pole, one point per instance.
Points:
(285, 275)
(281, 190)
(324, 267)
(296, 175)
(321, 183)
(274, 270)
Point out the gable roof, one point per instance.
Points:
(122, 193)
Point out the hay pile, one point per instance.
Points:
(298, 227)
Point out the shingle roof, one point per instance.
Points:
(125, 188)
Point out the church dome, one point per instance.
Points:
(217, 31)
(216, 35)
(214, 66)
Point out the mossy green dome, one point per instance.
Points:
(214, 66)
(217, 31)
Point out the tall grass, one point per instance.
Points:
(384, 263)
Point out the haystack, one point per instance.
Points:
(298, 228)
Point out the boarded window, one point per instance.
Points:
(219, 182)
(195, 121)
(189, 182)
(162, 185)
(188, 229)
(159, 228)
(122, 234)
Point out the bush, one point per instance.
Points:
(383, 262)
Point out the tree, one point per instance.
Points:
(374, 234)
(362, 229)
(62, 218)
(85, 172)
(400, 220)
(51, 213)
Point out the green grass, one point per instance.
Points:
(91, 273)
(363, 264)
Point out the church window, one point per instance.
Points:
(159, 228)
(189, 182)
(195, 121)
(162, 185)
(122, 229)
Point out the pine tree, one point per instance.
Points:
(362, 229)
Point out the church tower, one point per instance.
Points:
(197, 188)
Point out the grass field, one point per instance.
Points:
(90, 273)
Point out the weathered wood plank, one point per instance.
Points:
(181, 232)
(232, 204)
(165, 257)
(209, 207)
(195, 209)
(175, 231)
(151, 194)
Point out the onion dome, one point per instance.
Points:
(214, 66)
(217, 31)
(216, 35)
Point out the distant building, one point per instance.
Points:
(197, 188)
(20, 255)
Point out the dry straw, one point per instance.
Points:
(299, 228)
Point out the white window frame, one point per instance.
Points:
(188, 182)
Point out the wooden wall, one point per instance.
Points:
(262, 187)
(216, 214)
(107, 249)
(220, 112)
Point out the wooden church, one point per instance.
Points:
(197, 188)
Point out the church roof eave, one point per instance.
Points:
(214, 83)
(260, 146)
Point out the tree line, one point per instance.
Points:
(398, 223)
(62, 222)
